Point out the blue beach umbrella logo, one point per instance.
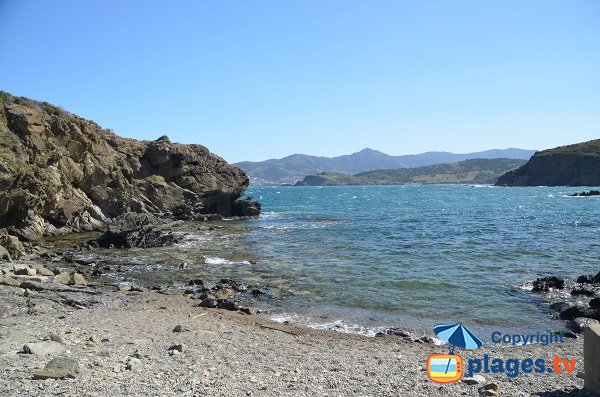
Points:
(457, 335)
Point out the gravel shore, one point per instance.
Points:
(125, 343)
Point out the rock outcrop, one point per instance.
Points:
(60, 173)
(572, 165)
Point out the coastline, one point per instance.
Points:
(122, 343)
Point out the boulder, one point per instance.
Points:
(78, 279)
(571, 311)
(43, 348)
(246, 207)
(24, 270)
(228, 304)
(12, 244)
(4, 255)
(545, 284)
(7, 280)
(595, 303)
(208, 302)
(58, 368)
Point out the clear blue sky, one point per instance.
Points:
(260, 79)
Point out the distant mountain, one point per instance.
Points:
(292, 168)
(571, 165)
(468, 171)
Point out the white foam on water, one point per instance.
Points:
(215, 260)
(337, 325)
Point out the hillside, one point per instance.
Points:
(293, 168)
(571, 165)
(60, 173)
(468, 171)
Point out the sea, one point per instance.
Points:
(363, 259)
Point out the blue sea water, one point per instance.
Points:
(424, 254)
(362, 258)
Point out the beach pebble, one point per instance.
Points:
(249, 310)
(228, 305)
(134, 364)
(178, 348)
(475, 380)
(208, 302)
(491, 389)
(62, 278)
(181, 328)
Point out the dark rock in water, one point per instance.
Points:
(259, 291)
(589, 279)
(228, 304)
(595, 303)
(557, 305)
(61, 173)
(135, 230)
(544, 284)
(571, 311)
(208, 302)
(224, 293)
(587, 194)
(583, 290)
(398, 332)
(197, 282)
(233, 284)
(380, 335)
(245, 207)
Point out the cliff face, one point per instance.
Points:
(572, 165)
(60, 173)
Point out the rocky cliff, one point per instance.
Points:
(572, 165)
(60, 173)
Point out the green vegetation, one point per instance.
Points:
(155, 179)
(468, 171)
(583, 148)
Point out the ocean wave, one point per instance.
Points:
(215, 260)
(337, 325)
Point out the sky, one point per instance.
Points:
(253, 80)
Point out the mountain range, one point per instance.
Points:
(292, 169)
(467, 171)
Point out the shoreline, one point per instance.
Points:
(122, 343)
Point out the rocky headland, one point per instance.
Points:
(571, 165)
(60, 173)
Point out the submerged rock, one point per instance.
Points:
(587, 194)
